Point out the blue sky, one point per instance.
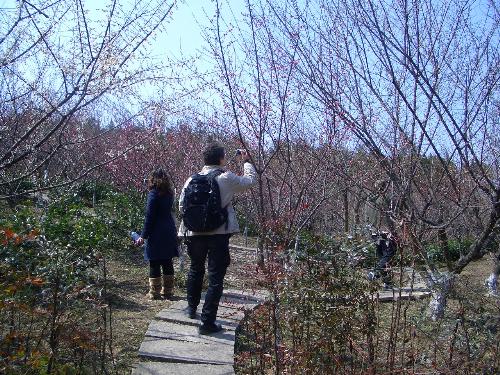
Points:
(180, 36)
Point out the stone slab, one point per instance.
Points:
(255, 295)
(230, 313)
(240, 302)
(227, 317)
(163, 368)
(225, 303)
(182, 332)
(243, 248)
(161, 350)
(391, 296)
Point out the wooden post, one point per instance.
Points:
(346, 211)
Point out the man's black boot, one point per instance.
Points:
(190, 312)
(209, 328)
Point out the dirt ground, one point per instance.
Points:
(132, 311)
(476, 272)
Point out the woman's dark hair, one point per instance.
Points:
(160, 181)
(213, 153)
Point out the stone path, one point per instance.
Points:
(402, 294)
(414, 287)
(172, 344)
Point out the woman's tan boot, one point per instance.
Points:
(154, 288)
(167, 290)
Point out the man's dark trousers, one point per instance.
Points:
(386, 248)
(216, 247)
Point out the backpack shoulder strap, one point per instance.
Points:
(215, 173)
(212, 175)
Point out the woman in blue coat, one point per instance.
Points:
(161, 236)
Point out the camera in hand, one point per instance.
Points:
(239, 151)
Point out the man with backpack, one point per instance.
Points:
(378, 218)
(208, 221)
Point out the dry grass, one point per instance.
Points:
(132, 311)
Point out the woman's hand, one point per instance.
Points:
(139, 242)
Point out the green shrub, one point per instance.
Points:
(51, 280)
(245, 221)
(320, 307)
(355, 250)
(456, 247)
(49, 272)
(94, 191)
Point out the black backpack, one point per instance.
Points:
(201, 207)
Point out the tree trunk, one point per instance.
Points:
(346, 211)
(440, 284)
(491, 282)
